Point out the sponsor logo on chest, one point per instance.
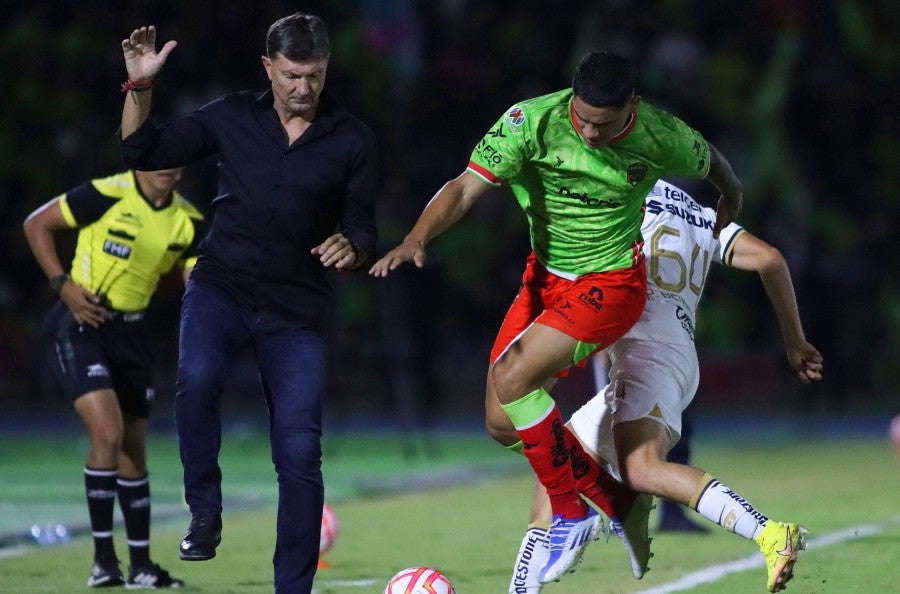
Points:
(114, 248)
(587, 200)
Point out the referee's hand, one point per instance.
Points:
(86, 307)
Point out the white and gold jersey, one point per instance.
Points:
(679, 247)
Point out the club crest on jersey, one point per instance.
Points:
(515, 117)
(636, 173)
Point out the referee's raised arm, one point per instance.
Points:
(143, 63)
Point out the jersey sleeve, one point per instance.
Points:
(690, 157)
(84, 204)
(500, 154)
(727, 239)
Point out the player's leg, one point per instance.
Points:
(641, 446)
(100, 414)
(542, 350)
(534, 551)
(292, 371)
(593, 481)
(647, 470)
(592, 308)
(596, 310)
(592, 426)
(523, 358)
(779, 542)
(517, 377)
(497, 422)
(640, 420)
(672, 517)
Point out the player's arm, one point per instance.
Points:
(752, 253)
(143, 64)
(731, 198)
(447, 207)
(39, 228)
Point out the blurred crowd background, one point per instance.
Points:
(801, 95)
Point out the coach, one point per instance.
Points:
(297, 178)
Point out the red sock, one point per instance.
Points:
(597, 485)
(544, 444)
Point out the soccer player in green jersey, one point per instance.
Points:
(132, 228)
(579, 162)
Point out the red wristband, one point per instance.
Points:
(137, 85)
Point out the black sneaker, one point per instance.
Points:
(151, 578)
(202, 537)
(105, 574)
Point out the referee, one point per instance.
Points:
(132, 228)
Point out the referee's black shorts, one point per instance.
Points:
(115, 355)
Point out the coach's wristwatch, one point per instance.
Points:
(57, 282)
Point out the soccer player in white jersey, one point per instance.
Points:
(632, 423)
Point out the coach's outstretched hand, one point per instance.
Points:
(141, 58)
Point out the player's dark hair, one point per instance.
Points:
(604, 79)
(298, 37)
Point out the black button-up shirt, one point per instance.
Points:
(275, 202)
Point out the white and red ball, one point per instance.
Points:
(330, 529)
(419, 580)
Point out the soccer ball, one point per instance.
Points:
(330, 529)
(419, 580)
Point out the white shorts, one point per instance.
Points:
(643, 375)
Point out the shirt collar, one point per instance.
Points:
(629, 126)
(326, 109)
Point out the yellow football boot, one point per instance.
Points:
(779, 544)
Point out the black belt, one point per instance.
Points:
(112, 315)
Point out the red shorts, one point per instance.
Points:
(596, 308)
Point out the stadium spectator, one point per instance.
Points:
(636, 419)
(580, 162)
(298, 175)
(132, 228)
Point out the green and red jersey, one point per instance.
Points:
(585, 205)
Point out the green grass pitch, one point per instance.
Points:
(464, 512)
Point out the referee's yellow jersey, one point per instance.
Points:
(124, 242)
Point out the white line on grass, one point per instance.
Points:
(716, 572)
(18, 551)
(365, 583)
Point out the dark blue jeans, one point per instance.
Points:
(291, 364)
